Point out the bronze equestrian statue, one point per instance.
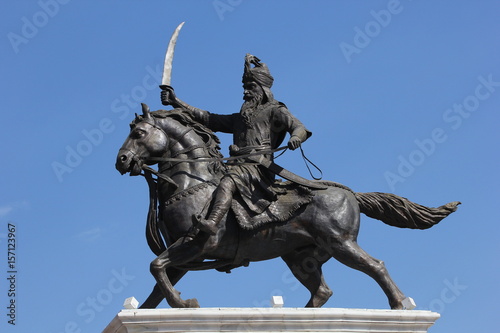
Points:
(210, 212)
(325, 224)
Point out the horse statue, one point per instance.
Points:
(189, 169)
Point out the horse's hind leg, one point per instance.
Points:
(305, 265)
(351, 254)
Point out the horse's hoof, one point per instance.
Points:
(192, 303)
(406, 303)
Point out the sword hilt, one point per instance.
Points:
(166, 88)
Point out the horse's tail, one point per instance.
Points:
(401, 212)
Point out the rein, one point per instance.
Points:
(217, 159)
(222, 159)
(160, 175)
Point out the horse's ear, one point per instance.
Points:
(145, 111)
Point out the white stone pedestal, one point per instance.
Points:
(271, 320)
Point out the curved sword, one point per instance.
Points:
(169, 57)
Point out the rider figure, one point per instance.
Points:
(261, 125)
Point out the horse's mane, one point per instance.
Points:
(207, 135)
(211, 140)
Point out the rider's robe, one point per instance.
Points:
(263, 128)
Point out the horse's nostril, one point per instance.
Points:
(123, 158)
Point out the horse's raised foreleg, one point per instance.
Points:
(351, 254)
(178, 253)
(306, 265)
(156, 296)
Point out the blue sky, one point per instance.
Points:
(401, 96)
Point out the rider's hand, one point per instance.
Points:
(168, 96)
(294, 142)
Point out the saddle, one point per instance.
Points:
(290, 197)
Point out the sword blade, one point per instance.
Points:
(169, 57)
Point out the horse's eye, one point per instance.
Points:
(137, 134)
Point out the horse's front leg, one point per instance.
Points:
(156, 296)
(178, 253)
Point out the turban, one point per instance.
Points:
(259, 74)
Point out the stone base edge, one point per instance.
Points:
(271, 320)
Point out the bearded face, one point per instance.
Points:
(252, 94)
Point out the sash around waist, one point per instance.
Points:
(234, 150)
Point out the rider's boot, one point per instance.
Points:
(222, 203)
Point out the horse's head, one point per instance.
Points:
(146, 141)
